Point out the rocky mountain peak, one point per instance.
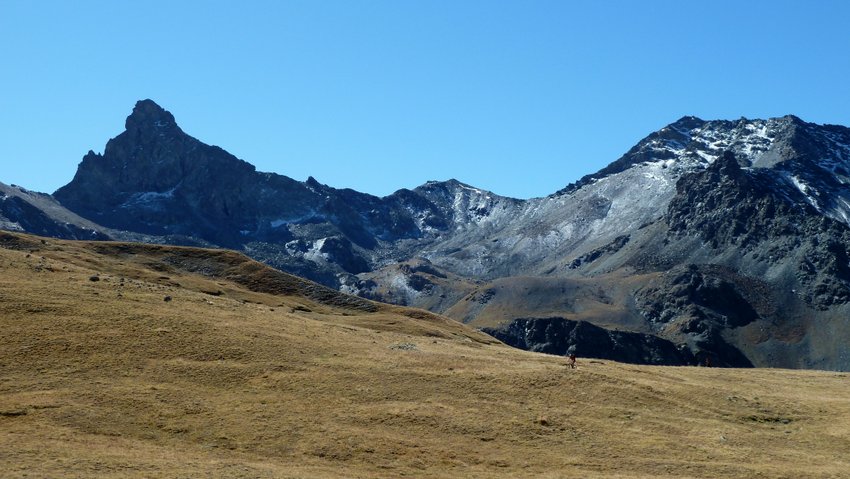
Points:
(687, 123)
(449, 184)
(152, 176)
(147, 115)
(793, 119)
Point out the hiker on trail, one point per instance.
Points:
(571, 361)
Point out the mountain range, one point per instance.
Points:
(722, 242)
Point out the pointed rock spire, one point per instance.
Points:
(147, 115)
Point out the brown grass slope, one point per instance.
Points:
(247, 372)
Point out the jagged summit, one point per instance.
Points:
(149, 115)
(153, 175)
(687, 122)
(691, 143)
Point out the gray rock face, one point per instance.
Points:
(727, 239)
(755, 212)
(695, 305)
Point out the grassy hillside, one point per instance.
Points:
(121, 360)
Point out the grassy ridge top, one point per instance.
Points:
(101, 376)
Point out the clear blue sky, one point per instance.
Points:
(517, 97)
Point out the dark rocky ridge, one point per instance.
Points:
(695, 305)
(754, 211)
(561, 336)
(155, 179)
(727, 239)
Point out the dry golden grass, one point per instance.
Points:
(106, 379)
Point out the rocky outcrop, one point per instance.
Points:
(592, 256)
(563, 336)
(695, 305)
(757, 212)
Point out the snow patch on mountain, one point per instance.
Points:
(803, 188)
(309, 216)
(148, 199)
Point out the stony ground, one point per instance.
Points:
(101, 376)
